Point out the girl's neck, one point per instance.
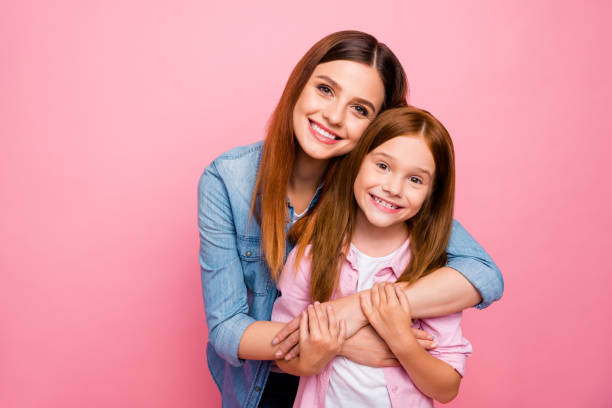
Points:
(305, 178)
(377, 241)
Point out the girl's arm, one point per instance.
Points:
(321, 338)
(388, 311)
(320, 334)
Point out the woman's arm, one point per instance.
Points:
(221, 269)
(233, 333)
(472, 261)
(470, 278)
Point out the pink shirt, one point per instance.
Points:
(452, 348)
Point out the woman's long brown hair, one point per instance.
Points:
(330, 227)
(268, 204)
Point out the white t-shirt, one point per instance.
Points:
(355, 385)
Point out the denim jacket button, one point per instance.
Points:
(257, 389)
(248, 253)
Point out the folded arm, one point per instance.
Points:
(388, 311)
(470, 278)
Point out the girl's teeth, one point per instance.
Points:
(386, 204)
(323, 132)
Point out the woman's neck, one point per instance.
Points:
(377, 241)
(305, 178)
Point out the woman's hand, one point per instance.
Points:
(368, 348)
(388, 311)
(288, 339)
(321, 338)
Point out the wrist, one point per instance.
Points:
(405, 344)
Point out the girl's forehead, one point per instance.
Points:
(406, 151)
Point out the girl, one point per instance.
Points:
(389, 217)
(249, 196)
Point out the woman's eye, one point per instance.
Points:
(382, 166)
(416, 180)
(324, 89)
(361, 110)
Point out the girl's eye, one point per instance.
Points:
(324, 89)
(361, 110)
(382, 166)
(416, 180)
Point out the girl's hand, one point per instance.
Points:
(321, 337)
(388, 311)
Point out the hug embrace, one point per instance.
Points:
(333, 273)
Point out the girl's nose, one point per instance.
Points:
(393, 186)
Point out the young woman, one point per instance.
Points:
(249, 196)
(387, 217)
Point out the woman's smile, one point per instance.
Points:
(322, 134)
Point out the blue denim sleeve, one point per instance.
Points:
(470, 259)
(223, 287)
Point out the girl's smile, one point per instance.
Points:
(384, 205)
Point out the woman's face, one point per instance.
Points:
(336, 105)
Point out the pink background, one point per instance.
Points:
(109, 111)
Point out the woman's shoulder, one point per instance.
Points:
(237, 165)
(241, 152)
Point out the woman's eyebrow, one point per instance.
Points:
(339, 87)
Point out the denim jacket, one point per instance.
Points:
(236, 282)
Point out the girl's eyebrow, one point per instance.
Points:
(392, 158)
(339, 87)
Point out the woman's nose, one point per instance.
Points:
(334, 113)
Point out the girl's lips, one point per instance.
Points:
(384, 207)
(319, 136)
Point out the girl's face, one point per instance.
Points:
(336, 105)
(394, 180)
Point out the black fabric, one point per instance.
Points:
(280, 391)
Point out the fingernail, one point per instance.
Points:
(434, 344)
(278, 354)
(274, 340)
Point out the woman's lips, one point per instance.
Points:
(321, 133)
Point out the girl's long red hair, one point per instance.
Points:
(329, 229)
(269, 205)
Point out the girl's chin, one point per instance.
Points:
(378, 221)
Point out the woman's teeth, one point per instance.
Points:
(322, 132)
(386, 204)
